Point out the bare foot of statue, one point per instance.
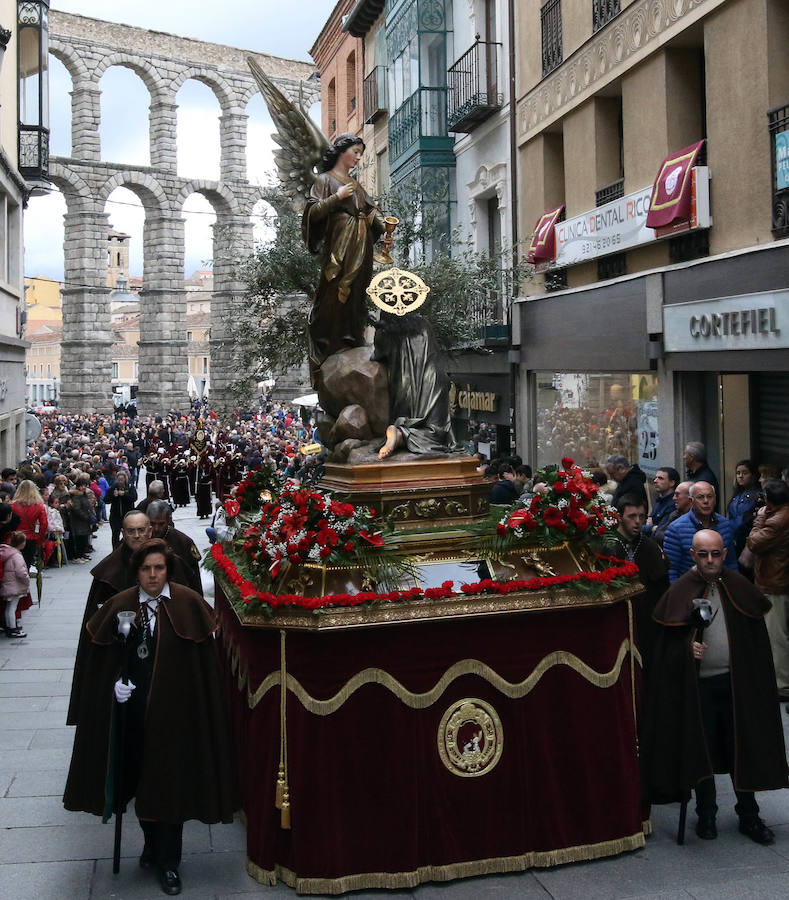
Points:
(394, 439)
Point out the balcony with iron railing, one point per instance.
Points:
(473, 87)
(374, 95)
(421, 117)
(778, 122)
(603, 11)
(489, 317)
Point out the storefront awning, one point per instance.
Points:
(543, 243)
(671, 193)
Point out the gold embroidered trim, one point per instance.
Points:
(372, 880)
(424, 700)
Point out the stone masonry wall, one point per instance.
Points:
(88, 47)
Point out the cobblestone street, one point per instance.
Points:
(46, 852)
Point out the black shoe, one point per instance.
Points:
(756, 830)
(17, 633)
(146, 858)
(706, 828)
(170, 881)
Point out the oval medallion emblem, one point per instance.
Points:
(470, 738)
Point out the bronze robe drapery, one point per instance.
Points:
(418, 384)
(347, 231)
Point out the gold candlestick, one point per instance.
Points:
(382, 256)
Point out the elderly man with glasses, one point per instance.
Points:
(711, 703)
(678, 540)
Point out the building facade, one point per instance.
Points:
(653, 152)
(24, 152)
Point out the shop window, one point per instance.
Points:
(588, 416)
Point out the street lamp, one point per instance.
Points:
(33, 72)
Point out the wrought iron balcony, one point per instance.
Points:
(551, 26)
(603, 11)
(375, 95)
(613, 191)
(33, 152)
(474, 87)
(778, 120)
(423, 115)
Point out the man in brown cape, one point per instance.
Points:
(175, 757)
(114, 574)
(712, 705)
(160, 515)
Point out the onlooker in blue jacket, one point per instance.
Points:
(665, 482)
(742, 508)
(679, 535)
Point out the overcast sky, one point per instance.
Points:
(262, 26)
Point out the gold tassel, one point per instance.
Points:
(282, 794)
(284, 818)
(280, 786)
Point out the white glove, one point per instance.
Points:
(123, 691)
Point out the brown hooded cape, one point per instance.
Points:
(187, 769)
(113, 574)
(674, 752)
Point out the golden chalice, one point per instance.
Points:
(382, 256)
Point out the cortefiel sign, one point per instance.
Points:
(746, 322)
(622, 224)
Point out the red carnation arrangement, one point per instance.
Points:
(566, 504)
(307, 526)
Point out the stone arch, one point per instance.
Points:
(143, 184)
(221, 198)
(71, 59)
(71, 184)
(147, 72)
(222, 90)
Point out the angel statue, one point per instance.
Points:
(340, 221)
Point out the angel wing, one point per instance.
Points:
(300, 140)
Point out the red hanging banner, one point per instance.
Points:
(671, 194)
(543, 242)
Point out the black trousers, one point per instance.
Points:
(718, 719)
(163, 841)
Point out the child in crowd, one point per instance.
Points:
(16, 581)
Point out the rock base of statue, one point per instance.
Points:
(353, 393)
(414, 492)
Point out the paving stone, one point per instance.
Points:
(231, 838)
(43, 760)
(22, 704)
(46, 881)
(15, 740)
(24, 676)
(6, 779)
(30, 812)
(53, 737)
(33, 689)
(37, 784)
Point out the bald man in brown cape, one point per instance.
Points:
(712, 705)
